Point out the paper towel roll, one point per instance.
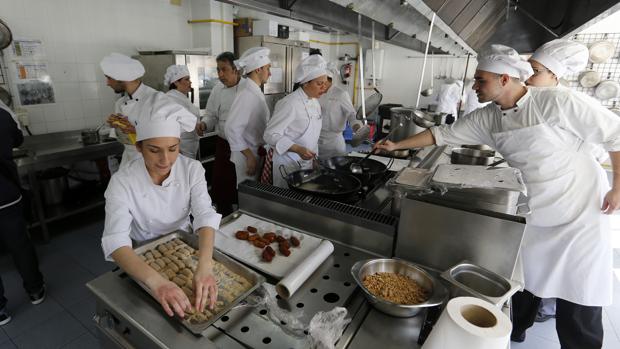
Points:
(290, 283)
(470, 323)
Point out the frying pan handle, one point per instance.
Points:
(283, 172)
(389, 164)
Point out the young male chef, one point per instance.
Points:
(566, 252)
(179, 85)
(154, 195)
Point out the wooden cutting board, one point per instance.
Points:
(245, 252)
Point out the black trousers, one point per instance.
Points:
(15, 240)
(578, 326)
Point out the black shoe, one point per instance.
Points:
(543, 317)
(37, 297)
(5, 318)
(519, 338)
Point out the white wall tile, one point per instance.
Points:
(73, 110)
(89, 90)
(92, 122)
(64, 72)
(76, 124)
(91, 108)
(38, 128)
(67, 91)
(54, 112)
(57, 126)
(36, 114)
(87, 72)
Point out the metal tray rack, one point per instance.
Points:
(192, 240)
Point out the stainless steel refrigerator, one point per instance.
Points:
(285, 56)
(202, 71)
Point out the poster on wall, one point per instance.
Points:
(24, 48)
(35, 92)
(34, 70)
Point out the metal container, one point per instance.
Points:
(404, 116)
(90, 137)
(468, 156)
(54, 184)
(438, 293)
(192, 240)
(467, 279)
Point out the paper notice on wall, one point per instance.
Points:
(27, 48)
(31, 70)
(277, 75)
(33, 92)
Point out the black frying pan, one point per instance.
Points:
(371, 169)
(323, 183)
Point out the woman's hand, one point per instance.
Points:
(205, 288)
(250, 163)
(171, 297)
(303, 152)
(611, 202)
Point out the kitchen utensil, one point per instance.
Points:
(428, 43)
(356, 167)
(436, 291)
(589, 78)
(469, 176)
(423, 119)
(429, 91)
(372, 103)
(360, 136)
(370, 167)
(469, 156)
(90, 136)
(6, 37)
(324, 183)
(601, 51)
(607, 89)
(492, 166)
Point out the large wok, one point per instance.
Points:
(322, 183)
(371, 169)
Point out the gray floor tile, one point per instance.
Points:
(535, 342)
(7, 345)
(27, 316)
(68, 292)
(87, 340)
(13, 289)
(54, 333)
(544, 330)
(84, 311)
(3, 336)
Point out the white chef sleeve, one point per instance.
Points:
(283, 115)
(118, 218)
(474, 129)
(348, 110)
(211, 112)
(201, 207)
(238, 118)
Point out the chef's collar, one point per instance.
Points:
(138, 93)
(518, 105)
(304, 95)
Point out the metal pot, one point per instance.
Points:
(404, 116)
(90, 136)
(466, 156)
(322, 183)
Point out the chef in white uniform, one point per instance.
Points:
(294, 128)
(336, 110)
(154, 195)
(224, 184)
(123, 76)
(552, 61)
(179, 85)
(471, 99)
(249, 114)
(449, 97)
(566, 252)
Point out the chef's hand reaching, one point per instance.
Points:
(171, 298)
(384, 145)
(205, 288)
(250, 162)
(303, 152)
(611, 202)
(201, 127)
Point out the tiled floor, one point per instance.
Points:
(74, 257)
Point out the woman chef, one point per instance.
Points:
(249, 114)
(155, 195)
(566, 252)
(552, 61)
(293, 130)
(179, 85)
(337, 109)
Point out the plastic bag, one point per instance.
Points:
(326, 328)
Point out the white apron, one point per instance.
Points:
(292, 161)
(566, 251)
(331, 144)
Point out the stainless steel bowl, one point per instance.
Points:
(438, 292)
(468, 156)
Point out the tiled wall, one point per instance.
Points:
(76, 34)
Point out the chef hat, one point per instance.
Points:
(167, 119)
(120, 67)
(174, 73)
(500, 59)
(332, 70)
(310, 68)
(253, 58)
(562, 56)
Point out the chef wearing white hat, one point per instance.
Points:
(566, 252)
(154, 195)
(336, 110)
(552, 61)
(123, 76)
(449, 97)
(249, 114)
(293, 130)
(179, 85)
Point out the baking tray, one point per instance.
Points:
(192, 240)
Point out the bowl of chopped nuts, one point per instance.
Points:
(396, 287)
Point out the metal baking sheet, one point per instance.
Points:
(192, 240)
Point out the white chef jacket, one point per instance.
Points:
(189, 140)
(144, 102)
(218, 106)
(137, 209)
(566, 249)
(336, 110)
(448, 98)
(246, 125)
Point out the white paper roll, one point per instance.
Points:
(470, 323)
(290, 283)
